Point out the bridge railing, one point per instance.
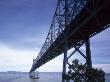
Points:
(65, 10)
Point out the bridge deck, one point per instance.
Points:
(84, 26)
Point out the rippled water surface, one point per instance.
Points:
(44, 77)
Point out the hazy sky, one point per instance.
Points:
(24, 25)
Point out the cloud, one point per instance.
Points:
(12, 59)
(24, 25)
(54, 65)
(105, 67)
(21, 60)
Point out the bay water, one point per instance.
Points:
(44, 77)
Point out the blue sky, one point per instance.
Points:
(24, 25)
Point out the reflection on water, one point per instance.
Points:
(34, 80)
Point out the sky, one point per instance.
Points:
(24, 25)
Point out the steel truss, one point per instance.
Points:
(65, 12)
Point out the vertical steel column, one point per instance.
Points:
(64, 61)
(66, 44)
(88, 54)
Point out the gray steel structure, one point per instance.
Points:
(74, 22)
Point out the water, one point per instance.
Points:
(44, 77)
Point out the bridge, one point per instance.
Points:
(73, 24)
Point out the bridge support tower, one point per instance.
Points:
(86, 56)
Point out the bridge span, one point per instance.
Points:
(74, 22)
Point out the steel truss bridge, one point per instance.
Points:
(73, 24)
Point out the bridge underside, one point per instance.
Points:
(88, 23)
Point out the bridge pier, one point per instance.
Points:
(87, 56)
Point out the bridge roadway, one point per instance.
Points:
(88, 24)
